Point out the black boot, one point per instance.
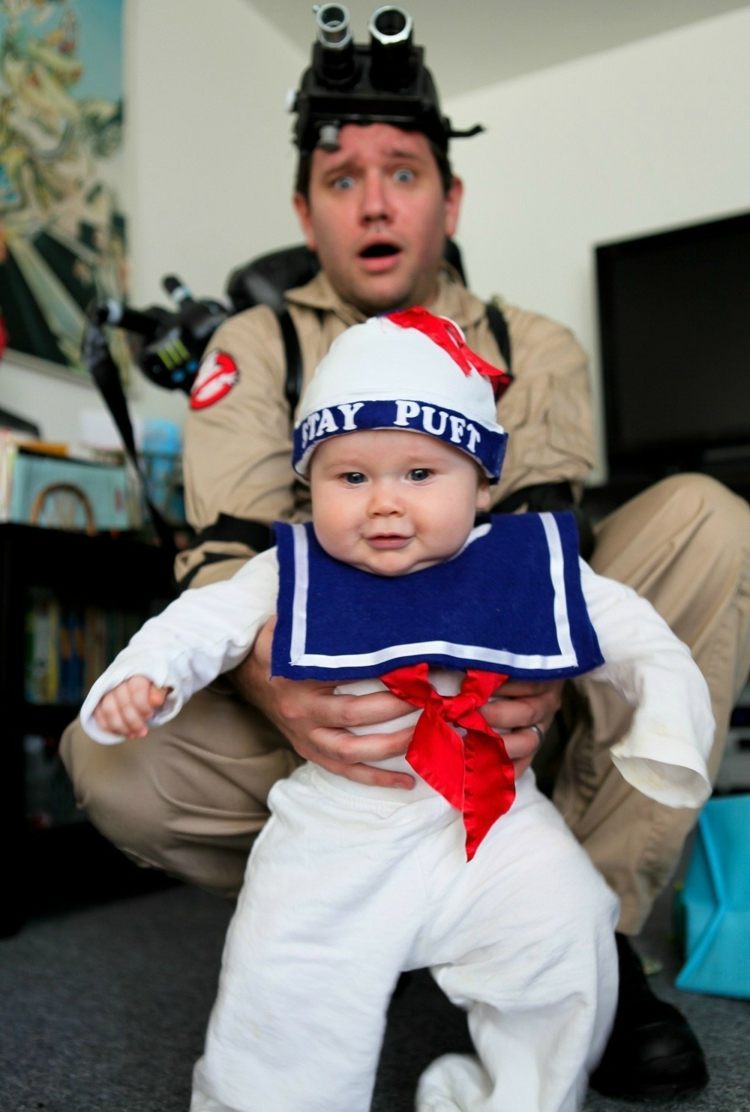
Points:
(652, 1051)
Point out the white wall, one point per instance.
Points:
(635, 139)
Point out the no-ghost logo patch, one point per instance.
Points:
(217, 375)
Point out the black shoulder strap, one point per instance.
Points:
(97, 358)
(499, 328)
(292, 357)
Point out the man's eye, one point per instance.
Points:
(404, 174)
(354, 478)
(419, 474)
(344, 182)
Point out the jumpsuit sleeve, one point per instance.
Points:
(664, 752)
(547, 410)
(237, 444)
(201, 634)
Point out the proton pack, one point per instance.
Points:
(170, 344)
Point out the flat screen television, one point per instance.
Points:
(674, 331)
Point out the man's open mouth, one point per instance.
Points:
(379, 251)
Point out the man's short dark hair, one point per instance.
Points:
(304, 162)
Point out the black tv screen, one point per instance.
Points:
(674, 329)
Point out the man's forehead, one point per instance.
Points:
(374, 141)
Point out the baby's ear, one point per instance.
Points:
(483, 494)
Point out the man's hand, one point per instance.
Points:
(331, 730)
(320, 725)
(523, 712)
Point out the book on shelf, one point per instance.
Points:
(68, 647)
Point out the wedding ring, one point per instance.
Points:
(539, 732)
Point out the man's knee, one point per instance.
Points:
(113, 788)
(191, 796)
(684, 544)
(85, 762)
(681, 510)
(703, 499)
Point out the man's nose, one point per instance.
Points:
(375, 200)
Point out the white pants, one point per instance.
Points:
(345, 889)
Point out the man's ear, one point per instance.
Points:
(302, 208)
(483, 495)
(453, 199)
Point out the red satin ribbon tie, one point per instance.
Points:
(470, 769)
(447, 335)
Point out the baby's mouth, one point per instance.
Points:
(388, 540)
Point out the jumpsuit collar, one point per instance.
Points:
(453, 300)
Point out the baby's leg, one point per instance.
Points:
(524, 942)
(327, 912)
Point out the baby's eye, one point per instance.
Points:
(419, 474)
(404, 174)
(354, 478)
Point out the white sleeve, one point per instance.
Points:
(665, 751)
(204, 632)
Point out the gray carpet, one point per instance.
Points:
(103, 1009)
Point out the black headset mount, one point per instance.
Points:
(384, 81)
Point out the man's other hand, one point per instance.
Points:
(523, 712)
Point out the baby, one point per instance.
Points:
(470, 874)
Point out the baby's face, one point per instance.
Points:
(393, 502)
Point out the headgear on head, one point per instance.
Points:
(385, 81)
(409, 371)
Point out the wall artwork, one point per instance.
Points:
(62, 234)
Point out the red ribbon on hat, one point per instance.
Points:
(447, 335)
(473, 772)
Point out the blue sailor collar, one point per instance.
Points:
(511, 602)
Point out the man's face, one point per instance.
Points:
(377, 215)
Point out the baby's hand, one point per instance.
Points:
(127, 709)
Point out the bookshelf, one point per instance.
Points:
(67, 603)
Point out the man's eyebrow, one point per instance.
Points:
(342, 166)
(399, 152)
(351, 162)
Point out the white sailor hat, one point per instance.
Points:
(408, 370)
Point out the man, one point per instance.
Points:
(376, 202)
